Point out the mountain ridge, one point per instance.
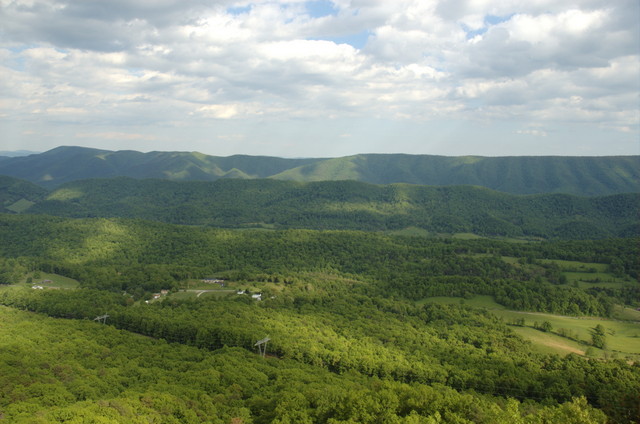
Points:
(577, 175)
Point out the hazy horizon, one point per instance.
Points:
(20, 153)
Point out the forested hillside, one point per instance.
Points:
(54, 371)
(351, 339)
(586, 176)
(348, 205)
(18, 195)
(63, 164)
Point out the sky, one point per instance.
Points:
(323, 78)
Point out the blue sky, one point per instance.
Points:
(320, 8)
(322, 78)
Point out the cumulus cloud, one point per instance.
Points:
(190, 63)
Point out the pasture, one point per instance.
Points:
(568, 334)
(51, 281)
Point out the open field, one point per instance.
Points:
(575, 266)
(626, 314)
(20, 206)
(623, 337)
(410, 231)
(552, 343)
(584, 275)
(52, 281)
(586, 280)
(466, 236)
(194, 294)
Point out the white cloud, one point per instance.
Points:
(116, 136)
(186, 64)
(535, 133)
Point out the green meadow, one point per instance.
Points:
(52, 281)
(575, 266)
(20, 206)
(622, 334)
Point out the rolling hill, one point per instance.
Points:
(585, 176)
(18, 195)
(350, 205)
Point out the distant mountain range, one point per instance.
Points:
(585, 176)
(15, 153)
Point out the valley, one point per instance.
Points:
(130, 300)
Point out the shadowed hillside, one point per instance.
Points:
(347, 205)
(18, 195)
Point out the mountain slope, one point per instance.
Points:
(584, 176)
(64, 164)
(347, 205)
(519, 175)
(18, 195)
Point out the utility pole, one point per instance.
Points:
(262, 346)
(102, 318)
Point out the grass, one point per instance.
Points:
(194, 294)
(575, 266)
(551, 343)
(466, 236)
(604, 284)
(53, 281)
(626, 314)
(593, 279)
(20, 206)
(410, 232)
(623, 336)
(252, 286)
(584, 275)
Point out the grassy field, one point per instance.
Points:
(52, 281)
(626, 314)
(20, 206)
(411, 232)
(598, 279)
(551, 343)
(584, 275)
(623, 336)
(466, 236)
(577, 266)
(194, 294)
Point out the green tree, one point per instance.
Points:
(598, 337)
(546, 326)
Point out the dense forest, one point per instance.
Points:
(350, 339)
(337, 205)
(55, 371)
(584, 176)
(266, 293)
